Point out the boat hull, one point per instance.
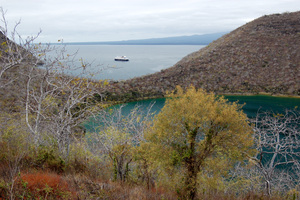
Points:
(117, 59)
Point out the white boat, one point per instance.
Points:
(121, 58)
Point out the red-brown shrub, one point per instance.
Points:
(45, 184)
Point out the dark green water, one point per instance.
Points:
(253, 104)
(256, 103)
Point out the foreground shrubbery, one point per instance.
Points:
(43, 185)
(118, 162)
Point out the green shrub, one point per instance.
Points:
(49, 159)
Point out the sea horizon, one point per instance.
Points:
(143, 59)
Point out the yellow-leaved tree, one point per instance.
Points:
(194, 127)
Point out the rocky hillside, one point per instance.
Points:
(262, 56)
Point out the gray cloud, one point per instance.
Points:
(110, 20)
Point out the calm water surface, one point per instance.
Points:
(252, 104)
(144, 59)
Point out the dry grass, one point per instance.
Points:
(104, 189)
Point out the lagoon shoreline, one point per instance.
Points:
(121, 95)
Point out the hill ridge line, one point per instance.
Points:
(262, 56)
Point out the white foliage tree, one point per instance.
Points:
(278, 149)
(58, 91)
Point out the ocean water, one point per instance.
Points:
(144, 59)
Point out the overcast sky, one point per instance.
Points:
(114, 20)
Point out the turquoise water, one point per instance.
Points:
(252, 104)
(256, 103)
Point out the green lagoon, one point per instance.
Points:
(252, 104)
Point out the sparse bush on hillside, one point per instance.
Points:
(15, 150)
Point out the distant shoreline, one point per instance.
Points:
(178, 40)
(95, 43)
(123, 97)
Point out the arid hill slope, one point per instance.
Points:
(261, 56)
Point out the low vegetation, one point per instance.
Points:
(60, 140)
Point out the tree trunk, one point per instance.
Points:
(115, 164)
(191, 177)
(268, 187)
(191, 181)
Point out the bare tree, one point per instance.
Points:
(14, 52)
(117, 134)
(57, 102)
(278, 148)
(57, 90)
